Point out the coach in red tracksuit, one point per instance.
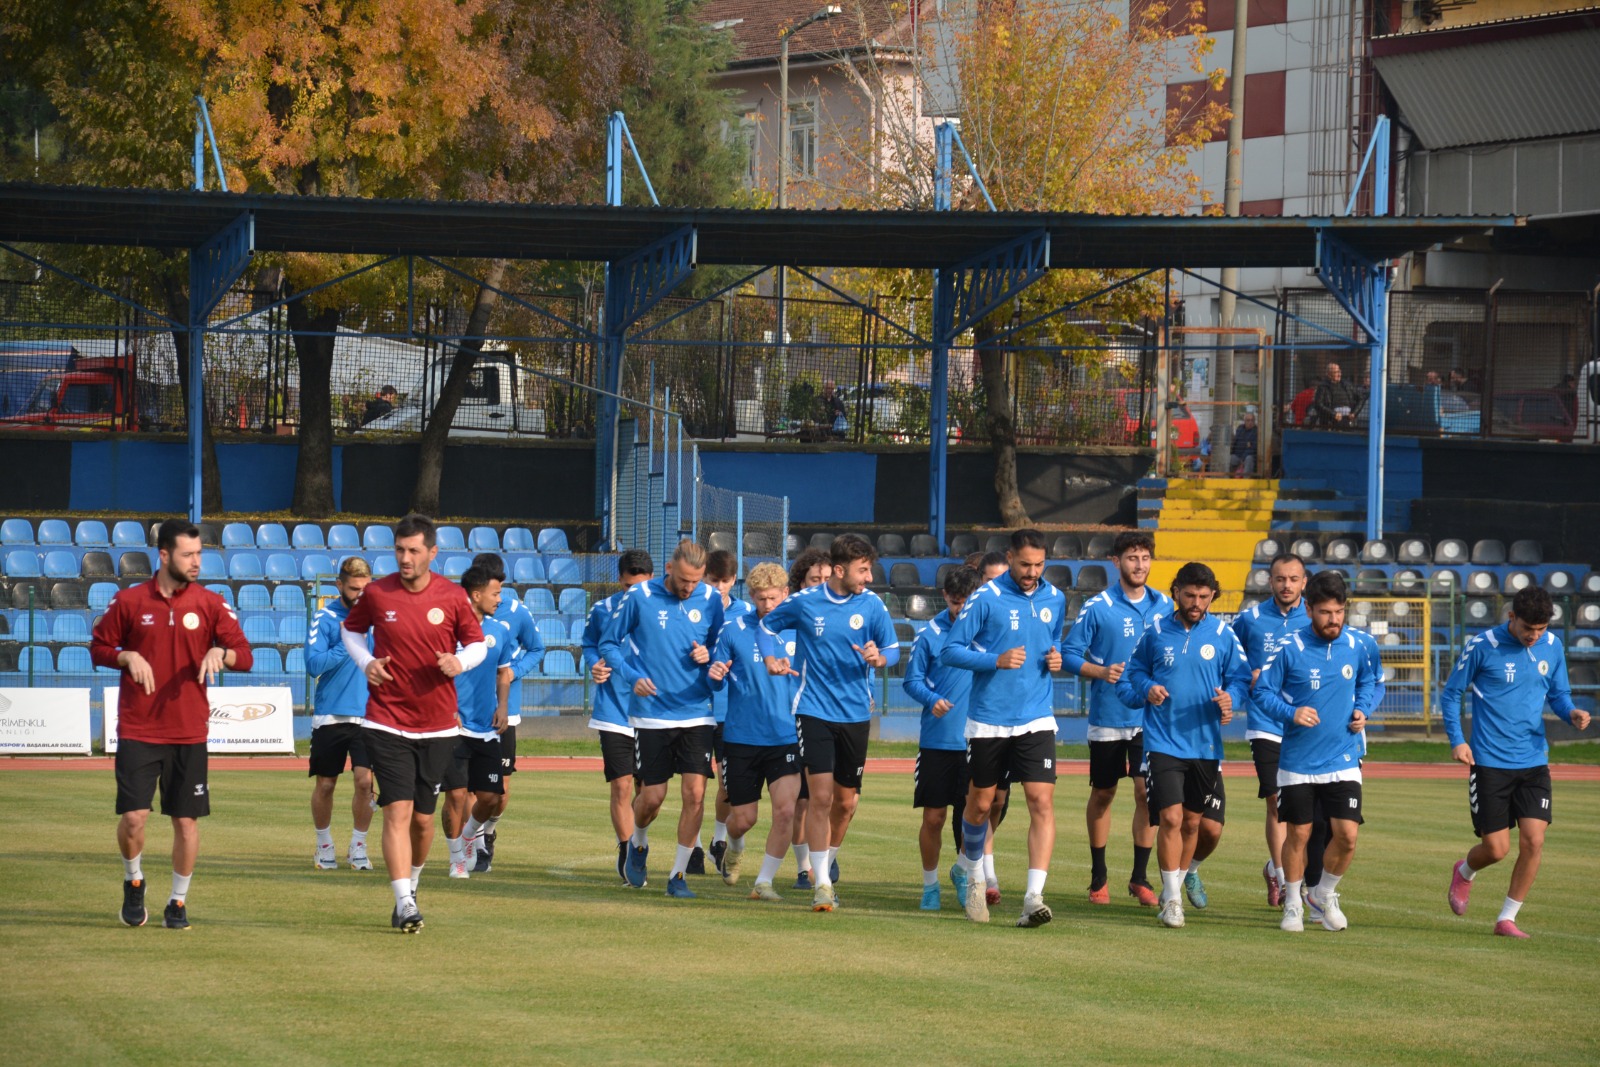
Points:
(169, 637)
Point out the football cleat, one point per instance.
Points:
(1460, 890)
(406, 918)
(458, 869)
(1144, 894)
(991, 895)
(1508, 928)
(634, 870)
(958, 878)
(133, 910)
(697, 861)
(1035, 912)
(717, 850)
(763, 891)
(803, 881)
(1101, 895)
(1274, 890)
(977, 905)
(1195, 889)
(729, 863)
(1172, 913)
(930, 897)
(176, 916)
(822, 899)
(679, 889)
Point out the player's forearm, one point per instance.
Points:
(355, 645)
(472, 655)
(966, 659)
(891, 655)
(1450, 713)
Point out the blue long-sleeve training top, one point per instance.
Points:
(341, 692)
(929, 681)
(835, 682)
(760, 704)
(1192, 663)
(528, 647)
(1262, 630)
(477, 695)
(1334, 677)
(1107, 631)
(652, 635)
(994, 620)
(610, 710)
(1510, 683)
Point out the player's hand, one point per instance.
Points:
(699, 653)
(1306, 716)
(600, 672)
(1011, 659)
(644, 687)
(1157, 695)
(140, 672)
(1224, 701)
(1358, 721)
(941, 708)
(377, 673)
(780, 666)
(870, 653)
(1113, 672)
(448, 664)
(1052, 660)
(719, 670)
(1580, 718)
(502, 719)
(212, 666)
(1462, 753)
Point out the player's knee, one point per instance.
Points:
(325, 786)
(935, 818)
(1172, 818)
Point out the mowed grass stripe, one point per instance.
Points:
(547, 960)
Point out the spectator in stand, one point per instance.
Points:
(1335, 401)
(1458, 380)
(833, 415)
(1244, 445)
(380, 405)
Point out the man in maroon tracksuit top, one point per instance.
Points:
(169, 637)
(424, 634)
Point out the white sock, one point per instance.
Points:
(802, 857)
(402, 890)
(456, 849)
(719, 832)
(769, 868)
(358, 837)
(681, 864)
(180, 886)
(1291, 890)
(416, 876)
(325, 837)
(1464, 869)
(1509, 910)
(474, 828)
(1194, 868)
(1171, 885)
(490, 823)
(1035, 882)
(737, 843)
(641, 837)
(1329, 883)
(988, 869)
(930, 877)
(819, 866)
(1277, 874)
(131, 869)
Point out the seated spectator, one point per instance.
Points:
(380, 405)
(1244, 445)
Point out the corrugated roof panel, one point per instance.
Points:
(1491, 91)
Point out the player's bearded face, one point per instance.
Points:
(412, 556)
(1134, 566)
(1288, 582)
(1327, 619)
(1193, 602)
(682, 578)
(1027, 564)
(855, 575)
(182, 561)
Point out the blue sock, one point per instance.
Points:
(973, 836)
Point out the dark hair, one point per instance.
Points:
(635, 561)
(1325, 586)
(1128, 540)
(1027, 538)
(1285, 557)
(492, 563)
(476, 577)
(991, 559)
(803, 563)
(414, 524)
(847, 548)
(974, 560)
(1191, 574)
(960, 582)
(1532, 606)
(167, 533)
(721, 565)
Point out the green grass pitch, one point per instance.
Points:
(547, 960)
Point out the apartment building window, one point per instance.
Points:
(749, 135)
(803, 138)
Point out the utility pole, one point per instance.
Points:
(1232, 197)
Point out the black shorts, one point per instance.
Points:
(839, 748)
(180, 770)
(939, 779)
(455, 771)
(1304, 805)
(1265, 754)
(480, 760)
(330, 745)
(409, 768)
(659, 754)
(717, 744)
(745, 768)
(1005, 761)
(1194, 783)
(1498, 797)
(1112, 761)
(508, 751)
(616, 754)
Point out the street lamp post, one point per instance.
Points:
(822, 14)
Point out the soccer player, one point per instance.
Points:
(1318, 688)
(722, 571)
(482, 698)
(941, 770)
(1097, 648)
(527, 656)
(811, 567)
(988, 565)
(169, 637)
(842, 631)
(670, 624)
(1513, 670)
(1009, 636)
(609, 716)
(419, 622)
(761, 743)
(1188, 672)
(1263, 630)
(336, 734)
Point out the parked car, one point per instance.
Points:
(489, 407)
(1518, 413)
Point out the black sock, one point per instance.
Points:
(1097, 876)
(1141, 866)
(955, 832)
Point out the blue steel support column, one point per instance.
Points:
(1378, 301)
(1362, 289)
(939, 370)
(610, 352)
(213, 268)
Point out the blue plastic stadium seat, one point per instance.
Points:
(254, 598)
(271, 536)
(27, 627)
(342, 537)
(517, 539)
(22, 563)
(558, 663)
(213, 568)
(242, 567)
(290, 599)
(450, 539)
(238, 535)
(552, 631)
(281, 567)
(576, 636)
(383, 566)
(60, 564)
(267, 661)
(573, 602)
(127, 534)
(538, 601)
(16, 532)
(377, 538)
(74, 660)
(100, 594)
(292, 630)
(294, 661)
(260, 630)
(316, 565)
(307, 536)
(453, 567)
(39, 657)
(55, 532)
(223, 591)
(564, 570)
(552, 539)
(528, 570)
(69, 628)
(91, 533)
(483, 539)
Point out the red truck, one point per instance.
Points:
(96, 393)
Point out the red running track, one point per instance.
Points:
(1561, 772)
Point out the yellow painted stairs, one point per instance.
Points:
(1214, 520)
